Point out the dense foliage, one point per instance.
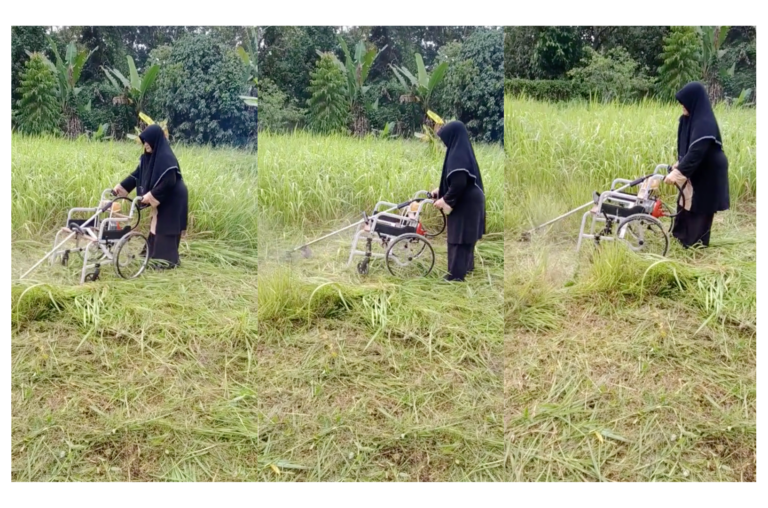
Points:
(38, 110)
(629, 62)
(393, 74)
(193, 77)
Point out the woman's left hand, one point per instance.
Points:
(149, 199)
(441, 204)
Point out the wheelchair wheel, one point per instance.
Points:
(643, 233)
(432, 220)
(131, 255)
(410, 256)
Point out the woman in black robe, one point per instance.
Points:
(702, 166)
(158, 179)
(462, 196)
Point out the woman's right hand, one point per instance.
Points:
(435, 193)
(119, 191)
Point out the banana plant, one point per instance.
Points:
(133, 90)
(422, 86)
(356, 70)
(429, 129)
(148, 121)
(68, 70)
(712, 41)
(247, 53)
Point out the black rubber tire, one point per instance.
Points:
(119, 251)
(643, 220)
(391, 256)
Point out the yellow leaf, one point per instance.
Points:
(599, 436)
(275, 469)
(146, 119)
(435, 117)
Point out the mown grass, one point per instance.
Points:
(144, 380)
(371, 378)
(621, 367)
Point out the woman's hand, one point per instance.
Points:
(119, 191)
(435, 193)
(149, 199)
(441, 204)
(675, 177)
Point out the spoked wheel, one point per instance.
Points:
(121, 209)
(644, 233)
(131, 255)
(410, 256)
(432, 220)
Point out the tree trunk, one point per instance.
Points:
(360, 125)
(74, 126)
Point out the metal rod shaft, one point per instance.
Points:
(48, 255)
(328, 235)
(52, 251)
(585, 205)
(338, 231)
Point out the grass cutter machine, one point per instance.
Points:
(404, 232)
(633, 219)
(102, 235)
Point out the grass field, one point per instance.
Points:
(150, 379)
(620, 367)
(372, 378)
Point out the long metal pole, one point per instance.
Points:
(339, 231)
(585, 205)
(48, 255)
(93, 217)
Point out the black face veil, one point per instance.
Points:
(700, 124)
(459, 156)
(157, 163)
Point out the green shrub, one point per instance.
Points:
(38, 110)
(199, 93)
(610, 76)
(553, 90)
(276, 112)
(328, 106)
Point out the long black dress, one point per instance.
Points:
(461, 187)
(158, 176)
(700, 159)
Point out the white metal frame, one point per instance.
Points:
(616, 197)
(92, 232)
(367, 227)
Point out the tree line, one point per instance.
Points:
(109, 82)
(381, 80)
(629, 63)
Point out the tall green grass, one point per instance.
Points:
(618, 366)
(557, 154)
(372, 378)
(143, 380)
(52, 175)
(314, 179)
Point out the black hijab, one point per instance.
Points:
(460, 154)
(154, 165)
(700, 124)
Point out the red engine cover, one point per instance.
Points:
(420, 230)
(658, 211)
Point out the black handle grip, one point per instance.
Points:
(639, 180)
(429, 195)
(403, 205)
